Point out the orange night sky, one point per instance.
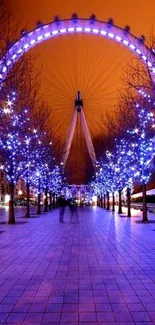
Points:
(83, 62)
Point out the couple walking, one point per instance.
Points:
(72, 207)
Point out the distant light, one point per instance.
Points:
(7, 198)
(87, 29)
(138, 51)
(79, 29)
(103, 32)
(47, 34)
(144, 57)
(4, 69)
(95, 30)
(136, 130)
(26, 46)
(118, 38)
(71, 29)
(39, 38)
(14, 56)
(63, 30)
(55, 32)
(20, 51)
(9, 103)
(7, 110)
(94, 198)
(32, 42)
(132, 47)
(111, 35)
(149, 64)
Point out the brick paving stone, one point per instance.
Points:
(56, 299)
(135, 307)
(107, 322)
(119, 307)
(10, 300)
(37, 308)
(152, 315)
(144, 323)
(70, 308)
(123, 316)
(88, 316)
(103, 307)
(33, 318)
(31, 322)
(16, 318)
(68, 323)
(149, 306)
(55, 308)
(89, 323)
(6, 308)
(141, 316)
(132, 299)
(51, 317)
(3, 317)
(19, 308)
(69, 317)
(86, 307)
(125, 323)
(105, 316)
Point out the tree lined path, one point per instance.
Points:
(98, 271)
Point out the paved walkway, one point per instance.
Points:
(98, 271)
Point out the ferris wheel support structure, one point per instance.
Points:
(79, 110)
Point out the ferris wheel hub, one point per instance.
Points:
(78, 102)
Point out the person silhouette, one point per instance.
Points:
(62, 204)
(73, 209)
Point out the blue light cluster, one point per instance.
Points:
(132, 160)
(25, 152)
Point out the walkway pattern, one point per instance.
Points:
(98, 271)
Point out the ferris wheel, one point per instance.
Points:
(83, 57)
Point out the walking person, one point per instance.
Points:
(73, 209)
(62, 204)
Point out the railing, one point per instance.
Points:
(139, 206)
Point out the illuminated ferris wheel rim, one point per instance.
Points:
(76, 25)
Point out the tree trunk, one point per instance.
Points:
(101, 201)
(113, 201)
(38, 204)
(120, 202)
(108, 206)
(54, 203)
(27, 214)
(11, 220)
(39, 197)
(56, 200)
(128, 202)
(45, 202)
(104, 205)
(50, 205)
(145, 218)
